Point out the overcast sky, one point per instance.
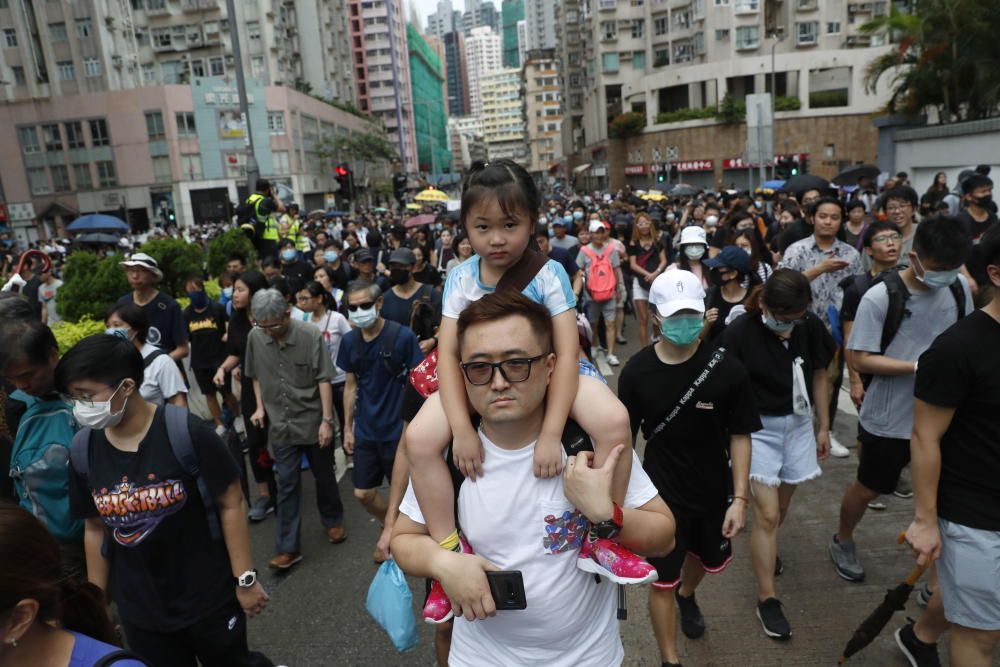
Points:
(427, 7)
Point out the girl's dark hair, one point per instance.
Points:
(758, 250)
(459, 237)
(231, 276)
(507, 181)
(103, 358)
(786, 291)
(315, 289)
(793, 207)
(30, 568)
(254, 280)
(132, 315)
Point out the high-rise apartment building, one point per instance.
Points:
(542, 110)
(511, 11)
(446, 19)
(483, 54)
(541, 18)
(570, 33)
(466, 136)
(456, 74)
(503, 122)
(429, 117)
(478, 14)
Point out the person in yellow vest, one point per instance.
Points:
(261, 223)
(292, 227)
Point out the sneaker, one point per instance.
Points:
(285, 561)
(260, 508)
(615, 562)
(437, 607)
(773, 620)
(621, 340)
(692, 622)
(613, 360)
(924, 596)
(240, 426)
(779, 567)
(903, 489)
(917, 652)
(836, 449)
(221, 430)
(877, 505)
(845, 560)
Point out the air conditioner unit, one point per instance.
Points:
(229, 61)
(116, 61)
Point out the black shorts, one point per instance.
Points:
(881, 461)
(373, 462)
(698, 535)
(204, 379)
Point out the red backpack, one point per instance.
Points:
(601, 281)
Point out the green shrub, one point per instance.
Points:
(787, 103)
(685, 114)
(627, 124)
(177, 259)
(828, 98)
(90, 286)
(69, 334)
(730, 111)
(219, 248)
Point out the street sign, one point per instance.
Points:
(672, 153)
(656, 155)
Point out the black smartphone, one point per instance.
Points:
(508, 590)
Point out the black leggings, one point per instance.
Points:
(256, 439)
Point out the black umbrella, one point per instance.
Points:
(684, 190)
(851, 175)
(801, 183)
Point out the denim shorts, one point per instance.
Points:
(784, 451)
(969, 572)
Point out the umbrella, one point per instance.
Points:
(684, 190)
(894, 600)
(318, 213)
(97, 222)
(414, 207)
(804, 182)
(97, 239)
(653, 196)
(381, 209)
(419, 220)
(851, 175)
(335, 214)
(431, 195)
(773, 185)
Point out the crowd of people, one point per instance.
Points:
(459, 361)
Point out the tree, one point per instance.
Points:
(946, 59)
(627, 124)
(366, 148)
(219, 248)
(90, 286)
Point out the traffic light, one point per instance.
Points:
(661, 175)
(171, 216)
(804, 165)
(399, 186)
(785, 168)
(343, 175)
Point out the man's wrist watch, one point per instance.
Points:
(329, 420)
(247, 579)
(611, 528)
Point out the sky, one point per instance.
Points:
(427, 7)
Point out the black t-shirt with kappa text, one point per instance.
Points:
(961, 370)
(166, 572)
(205, 331)
(688, 461)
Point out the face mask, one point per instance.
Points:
(670, 217)
(542, 220)
(227, 292)
(552, 232)
(986, 203)
(695, 251)
(363, 319)
(777, 327)
(330, 256)
(746, 250)
(759, 204)
(97, 414)
(712, 220)
(568, 220)
(199, 299)
(289, 254)
(578, 215)
(682, 330)
(552, 211)
(937, 279)
(398, 276)
(121, 332)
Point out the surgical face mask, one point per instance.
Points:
(331, 256)
(98, 414)
(552, 211)
(227, 292)
(578, 215)
(682, 330)
(363, 318)
(712, 220)
(568, 219)
(289, 254)
(199, 299)
(936, 279)
(670, 217)
(986, 203)
(776, 326)
(694, 251)
(759, 204)
(542, 220)
(121, 332)
(399, 276)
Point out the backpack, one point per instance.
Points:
(423, 316)
(396, 367)
(116, 656)
(39, 464)
(601, 280)
(148, 361)
(182, 446)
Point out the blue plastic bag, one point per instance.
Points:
(391, 605)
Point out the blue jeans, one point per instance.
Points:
(287, 461)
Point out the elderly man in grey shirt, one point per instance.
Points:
(291, 372)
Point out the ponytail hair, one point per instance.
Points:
(786, 291)
(315, 289)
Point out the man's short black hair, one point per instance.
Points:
(826, 200)
(236, 256)
(853, 204)
(286, 243)
(26, 339)
(976, 181)
(944, 239)
(904, 192)
(103, 358)
(269, 262)
(263, 185)
(989, 246)
(873, 229)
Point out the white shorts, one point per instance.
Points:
(639, 292)
(784, 451)
(969, 572)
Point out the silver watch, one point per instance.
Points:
(247, 579)
(330, 420)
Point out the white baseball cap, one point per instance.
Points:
(675, 290)
(693, 234)
(597, 226)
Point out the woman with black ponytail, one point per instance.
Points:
(319, 308)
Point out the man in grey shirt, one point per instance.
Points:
(940, 248)
(561, 237)
(291, 371)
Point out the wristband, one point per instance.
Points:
(743, 498)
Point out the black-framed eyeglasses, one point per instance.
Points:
(513, 370)
(363, 306)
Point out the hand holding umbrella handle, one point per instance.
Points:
(918, 570)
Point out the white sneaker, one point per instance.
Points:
(220, 430)
(837, 449)
(239, 426)
(613, 360)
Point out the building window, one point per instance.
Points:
(639, 60)
(253, 30)
(92, 67)
(806, 33)
(833, 28)
(609, 29)
(185, 124)
(257, 66)
(65, 69)
(60, 179)
(84, 27)
(747, 37)
(216, 66)
(609, 62)
(52, 138)
(38, 180)
(29, 140)
(661, 25)
(161, 169)
(18, 72)
(156, 5)
(661, 58)
(638, 28)
(81, 175)
(74, 135)
(276, 122)
(281, 162)
(99, 133)
(197, 67)
(106, 177)
(191, 166)
(746, 6)
(161, 38)
(148, 73)
(721, 35)
(57, 32)
(154, 125)
(9, 37)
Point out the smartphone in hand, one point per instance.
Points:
(507, 588)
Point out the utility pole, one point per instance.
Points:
(253, 172)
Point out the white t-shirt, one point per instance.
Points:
(162, 379)
(334, 327)
(521, 522)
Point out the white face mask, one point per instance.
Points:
(363, 318)
(694, 251)
(97, 414)
(712, 220)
